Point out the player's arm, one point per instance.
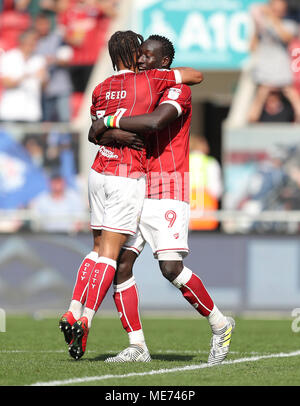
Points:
(160, 118)
(113, 137)
(92, 136)
(189, 76)
(163, 115)
(123, 138)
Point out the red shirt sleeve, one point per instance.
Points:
(180, 96)
(93, 108)
(163, 78)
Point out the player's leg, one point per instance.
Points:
(119, 201)
(83, 276)
(169, 241)
(95, 193)
(123, 200)
(170, 246)
(80, 289)
(103, 272)
(190, 285)
(100, 280)
(127, 303)
(194, 291)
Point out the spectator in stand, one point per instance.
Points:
(23, 75)
(13, 21)
(85, 23)
(60, 209)
(34, 147)
(273, 33)
(205, 184)
(277, 109)
(35, 7)
(57, 91)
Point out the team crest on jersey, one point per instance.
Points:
(174, 93)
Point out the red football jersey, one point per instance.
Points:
(128, 94)
(168, 162)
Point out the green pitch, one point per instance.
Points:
(263, 352)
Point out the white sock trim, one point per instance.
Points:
(76, 308)
(216, 319)
(93, 255)
(125, 285)
(183, 278)
(136, 337)
(108, 261)
(89, 314)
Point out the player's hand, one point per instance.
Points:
(92, 136)
(123, 138)
(99, 126)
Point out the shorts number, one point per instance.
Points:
(170, 216)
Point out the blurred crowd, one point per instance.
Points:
(275, 48)
(48, 50)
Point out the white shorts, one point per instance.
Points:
(115, 202)
(164, 225)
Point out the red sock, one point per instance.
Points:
(100, 281)
(83, 276)
(194, 291)
(127, 303)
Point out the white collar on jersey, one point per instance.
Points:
(120, 72)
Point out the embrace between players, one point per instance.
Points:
(139, 192)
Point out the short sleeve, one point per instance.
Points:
(180, 96)
(163, 78)
(93, 108)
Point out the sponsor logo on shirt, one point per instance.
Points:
(107, 153)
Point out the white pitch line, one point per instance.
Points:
(31, 351)
(164, 371)
(191, 352)
(114, 352)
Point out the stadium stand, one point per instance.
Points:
(82, 25)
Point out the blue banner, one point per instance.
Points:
(206, 34)
(20, 179)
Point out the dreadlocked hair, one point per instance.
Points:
(167, 46)
(124, 46)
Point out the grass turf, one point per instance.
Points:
(34, 351)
